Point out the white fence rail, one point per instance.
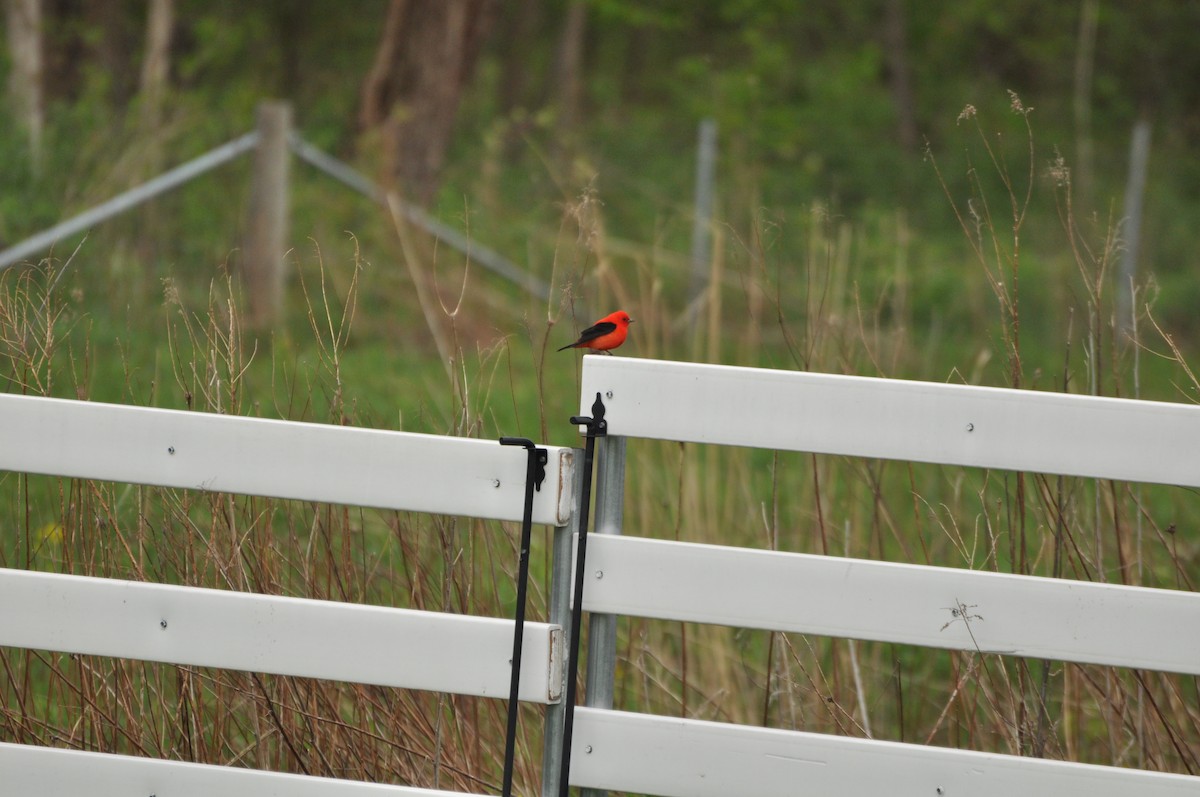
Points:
(28, 770)
(982, 427)
(989, 612)
(266, 633)
(280, 459)
(263, 633)
(937, 607)
(675, 757)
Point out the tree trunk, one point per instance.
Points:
(569, 66)
(109, 39)
(425, 60)
(152, 92)
(520, 27)
(516, 95)
(156, 67)
(24, 19)
(156, 64)
(895, 36)
(1085, 62)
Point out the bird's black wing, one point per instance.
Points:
(596, 331)
(591, 333)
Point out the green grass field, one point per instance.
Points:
(148, 312)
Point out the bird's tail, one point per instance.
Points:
(570, 346)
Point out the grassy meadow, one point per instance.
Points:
(1012, 288)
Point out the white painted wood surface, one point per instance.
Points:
(286, 636)
(282, 459)
(912, 604)
(1020, 430)
(45, 772)
(644, 754)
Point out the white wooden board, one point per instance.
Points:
(1020, 430)
(282, 459)
(912, 604)
(644, 754)
(45, 772)
(286, 636)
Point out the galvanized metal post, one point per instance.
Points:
(602, 628)
(706, 167)
(559, 604)
(597, 427)
(1135, 189)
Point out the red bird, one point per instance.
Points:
(607, 333)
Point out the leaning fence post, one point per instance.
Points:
(267, 222)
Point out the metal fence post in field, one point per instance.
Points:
(602, 627)
(1135, 189)
(706, 166)
(267, 222)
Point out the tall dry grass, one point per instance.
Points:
(241, 543)
(1021, 523)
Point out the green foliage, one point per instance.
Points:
(836, 250)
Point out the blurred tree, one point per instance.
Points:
(568, 70)
(156, 68)
(519, 28)
(109, 37)
(152, 94)
(89, 51)
(1085, 67)
(24, 21)
(895, 36)
(426, 58)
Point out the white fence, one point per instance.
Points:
(1053, 619)
(1016, 615)
(262, 633)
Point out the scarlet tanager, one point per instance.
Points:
(607, 333)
